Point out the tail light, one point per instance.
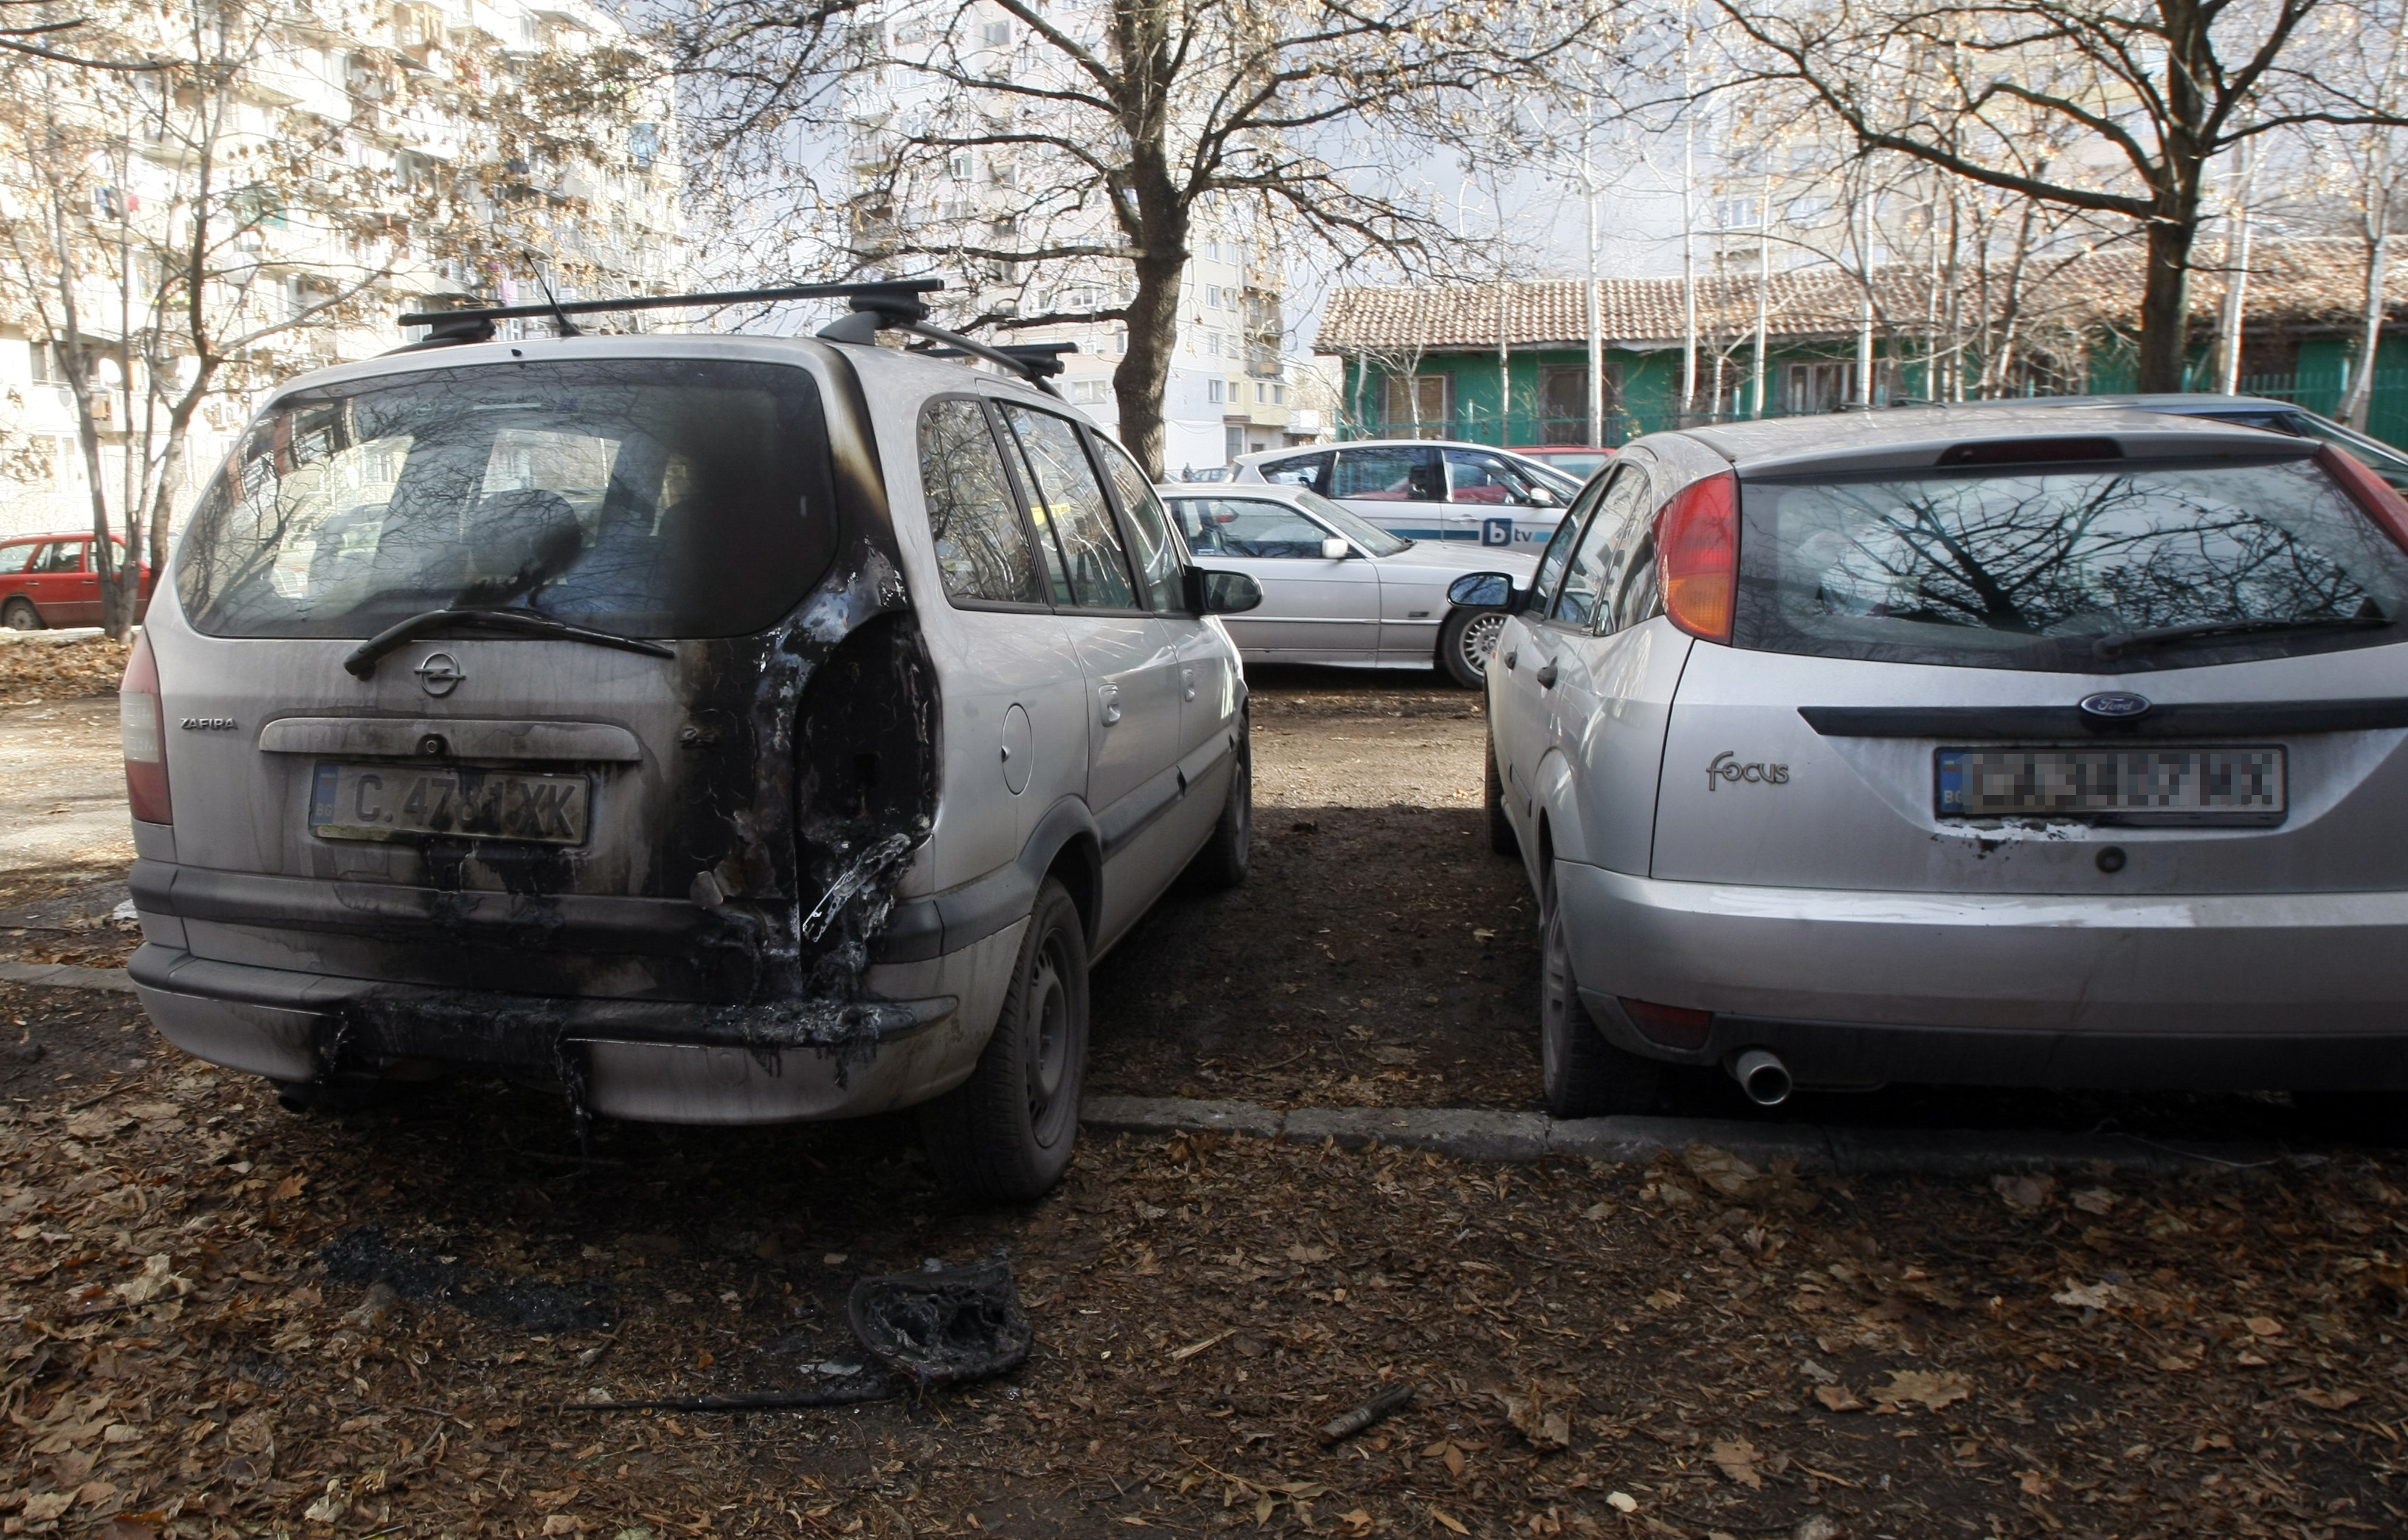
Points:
(2370, 492)
(1697, 541)
(143, 722)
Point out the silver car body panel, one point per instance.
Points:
(1358, 611)
(1715, 852)
(272, 949)
(1439, 517)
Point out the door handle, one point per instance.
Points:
(1547, 675)
(1187, 683)
(1107, 702)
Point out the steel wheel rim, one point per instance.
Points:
(1479, 642)
(1048, 1050)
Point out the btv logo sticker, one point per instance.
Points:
(1497, 532)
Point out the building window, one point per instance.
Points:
(961, 166)
(1212, 392)
(1262, 393)
(1090, 392)
(1419, 406)
(1120, 342)
(998, 34)
(1821, 387)
(643, 144)
(1279, 395)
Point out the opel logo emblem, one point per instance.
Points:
(2113, 704)
(439, 675)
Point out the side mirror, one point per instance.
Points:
(1543, 497)
(1334, 550)
(1480, 590)
(1222, 593)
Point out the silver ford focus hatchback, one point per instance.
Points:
(717, 729)
(1957, 747)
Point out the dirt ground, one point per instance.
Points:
(1379, 953)
(220, 1319)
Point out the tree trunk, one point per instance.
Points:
(2360, 401)
(2165, 304)
(88, 438)
(1139, 382)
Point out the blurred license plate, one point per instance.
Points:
(2116, 785)
(403, 801)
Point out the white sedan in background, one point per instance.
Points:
(1337, 588)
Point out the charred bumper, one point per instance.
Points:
(643, 1059)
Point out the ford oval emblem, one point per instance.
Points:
(2115, 705)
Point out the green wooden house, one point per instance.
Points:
(1508, 363)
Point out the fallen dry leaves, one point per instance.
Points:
(38, 669)
(222, 1320)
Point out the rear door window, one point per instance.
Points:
(1075, 533)
(1400, 475)
(1157, 549)
(1255, 527)
(1303, 470)
(1559, 547)
(2121, 566)
(983, 546)
(61, 556)
(651, 498)
(1487, 479)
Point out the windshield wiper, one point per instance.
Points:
(526, 622)
(2117, 641)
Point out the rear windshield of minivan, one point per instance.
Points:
(2064, 569)
(651, 498)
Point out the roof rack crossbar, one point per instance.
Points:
(1032, 360)
(899, 293)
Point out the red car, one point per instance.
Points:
(49, 580)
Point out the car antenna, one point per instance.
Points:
(559, 316)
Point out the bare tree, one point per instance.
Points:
(1069, 140)
(162, 301)
(2161, 87)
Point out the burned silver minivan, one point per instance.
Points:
(719, 729)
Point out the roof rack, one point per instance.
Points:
(475, 323)
(887, 304)
(1036, 360)
(873, 313)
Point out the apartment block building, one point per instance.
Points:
(366, 159)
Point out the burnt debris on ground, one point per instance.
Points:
(199, 1337)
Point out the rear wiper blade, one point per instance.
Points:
(526, 622)
(2117, 641)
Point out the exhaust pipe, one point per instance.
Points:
(1763, 1076)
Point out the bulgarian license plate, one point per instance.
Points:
(2129, 786)
(407, 802)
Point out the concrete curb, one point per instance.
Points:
(1476, 1135)
(64, 975)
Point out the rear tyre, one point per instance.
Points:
(1223, 862)
(1584, 1075)
(1501, 837)
(1005, 1134)
(2378, 1117)
(20, 615)
(1464, 642)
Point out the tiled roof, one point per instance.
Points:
(2295, 281)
